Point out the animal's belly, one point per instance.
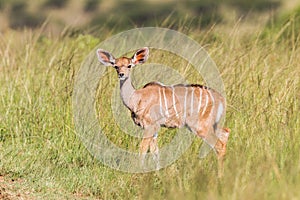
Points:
(175, 122)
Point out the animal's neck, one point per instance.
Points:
(127, 90)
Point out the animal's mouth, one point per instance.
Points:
(122, 78)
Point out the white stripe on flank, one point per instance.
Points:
(174, 102)
(219, 113)
(206, 102)
(192, 101)
(184, 111)
(160, 103)
(166, 105)
(200, 99)
(212, 101)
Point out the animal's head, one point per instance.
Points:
(123, 64)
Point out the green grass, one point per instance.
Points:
(40, 151)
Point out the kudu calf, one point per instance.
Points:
(155, 105)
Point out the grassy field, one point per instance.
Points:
(42, 158)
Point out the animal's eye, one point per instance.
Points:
(116, 67)
(129, 66)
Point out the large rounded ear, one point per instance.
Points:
(140, 56)
(105, 57)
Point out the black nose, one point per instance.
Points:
(121, 74)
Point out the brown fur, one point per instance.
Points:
(155, 105)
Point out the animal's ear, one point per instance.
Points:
(105, 57)
(140, 56)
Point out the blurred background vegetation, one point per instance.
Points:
(255, 44)
(86, 15)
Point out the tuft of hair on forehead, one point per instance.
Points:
(123, 61)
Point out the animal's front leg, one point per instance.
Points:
(147, 139)
(155, 150)
(144, 146)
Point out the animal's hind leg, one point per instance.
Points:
(216, 139)
(210, 139)
(220, 148)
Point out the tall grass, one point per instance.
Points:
(39, 147)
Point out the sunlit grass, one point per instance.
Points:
(39, 146)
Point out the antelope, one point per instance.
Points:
(195, 106)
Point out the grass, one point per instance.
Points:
(41, 156)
